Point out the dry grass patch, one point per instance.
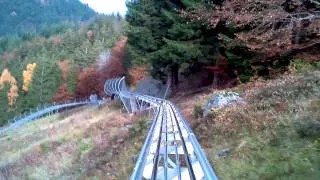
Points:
(63, 146)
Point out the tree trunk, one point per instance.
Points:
(175, 75)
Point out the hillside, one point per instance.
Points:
(84, 143)
(38, 16)
(264, 138)
(59, 67)
(273, 134)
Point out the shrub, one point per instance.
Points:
(308, 123)
(139, 128)
(197, 111)
(85, 146)
(309, 128)
(301, 66)
(44, 147)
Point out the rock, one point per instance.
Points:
(151, 87)
(223, 153)
(221, 100)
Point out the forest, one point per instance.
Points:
(45, 66)
(226, 39)
(26, 18)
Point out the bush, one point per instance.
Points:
(309, 128)
(197, 111)
(308, 123)
(302, 66)
(44, 147)
(139, 128)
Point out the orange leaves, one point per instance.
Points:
(6, 77)
(27, 76)
(91, 80)
(64, 67)
(137, 74)
(62, 94)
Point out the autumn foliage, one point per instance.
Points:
(27, 76)
(91, 80)
(6, 77)
(137, 74)
(63, 93)
(268, 27)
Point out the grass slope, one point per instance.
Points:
(85, 143)
(274, 135)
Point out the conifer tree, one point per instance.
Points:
(46, 81)
(158, 35)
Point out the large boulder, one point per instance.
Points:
(222, 99)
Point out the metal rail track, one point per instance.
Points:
(20, 121)
(171, 150)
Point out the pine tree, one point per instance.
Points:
(4, 107)
(47, 79)
(158, 35)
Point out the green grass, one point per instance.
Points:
(281, 154)
(44, 147)
(85, 146)
(131, 151)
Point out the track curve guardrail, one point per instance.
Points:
(20, 121)
(171, 150)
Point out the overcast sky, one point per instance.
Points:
(107, 6)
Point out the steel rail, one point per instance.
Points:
(191, 172)
(155, 166)
(18, 122)
(167, 130)
(137, 171)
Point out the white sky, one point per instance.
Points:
(107, 6)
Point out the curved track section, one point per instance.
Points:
(47, 110)
(171, 150)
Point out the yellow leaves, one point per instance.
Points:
(27, 76)
(6, 77)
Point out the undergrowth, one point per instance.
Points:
(274, 135)
(134, 141)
